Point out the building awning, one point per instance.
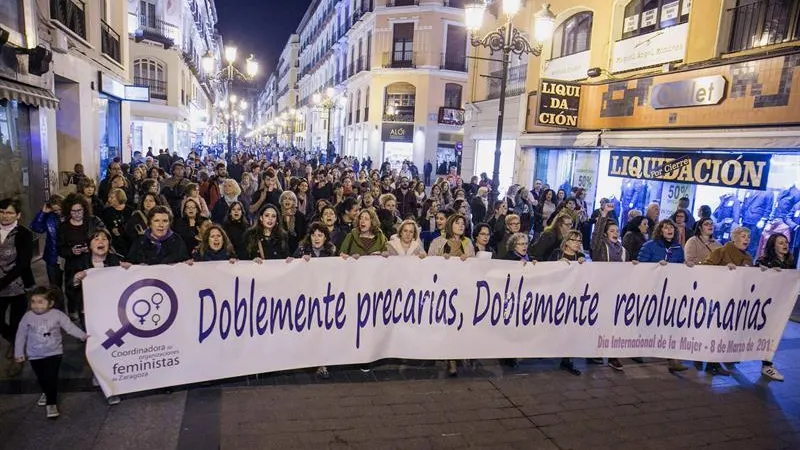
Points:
(560, 139)
(731, 138)
(29, 95)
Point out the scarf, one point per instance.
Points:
(614, 251)
(230, 199)
(157, 242)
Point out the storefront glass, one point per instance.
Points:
(16, 162)
(398, 152)
(484, 161)
(110, 120)
(775, 209)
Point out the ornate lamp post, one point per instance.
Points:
(227, 75)
(506, 39)
(289, 120)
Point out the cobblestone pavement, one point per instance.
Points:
(413, 405)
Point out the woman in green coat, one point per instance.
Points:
(365, 239)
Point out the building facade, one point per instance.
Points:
(62, 77)
(167, 41)
(289, 125)
(713, 84)
(384, 79)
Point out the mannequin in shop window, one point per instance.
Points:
(629, 197)
(725, 216)
(755, 212)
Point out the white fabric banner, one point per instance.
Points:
(159, 326)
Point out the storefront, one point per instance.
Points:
(398, 143)
(725, 137)
(23, 144)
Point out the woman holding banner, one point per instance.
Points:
(235, 226)
(481, 236)
(699, 246)
(777, 257)
(664, 249)
(635, 235)
(215, 245)
(159, 244)
(366, 239)
(453, 244)
(732, 255)
(406, 242)
(266, 239)
(550, 239)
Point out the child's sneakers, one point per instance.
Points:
(52, 411)
(42, 400)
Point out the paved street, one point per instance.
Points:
(414, 406)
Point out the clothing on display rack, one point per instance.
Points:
(726, 216)
(755, 211)
(777, 226)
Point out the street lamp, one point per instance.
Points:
(327, 102)
(507, 39)
(227, 75)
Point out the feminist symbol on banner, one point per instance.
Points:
(142, 316)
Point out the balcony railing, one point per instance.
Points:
(392, 3)
(359, 64)
(155, 30)
(109, 42)
(764, 23)
(158, 88)
(71, 13)
(515, 84)
(452, 63)
(400, 59)
(406, 116)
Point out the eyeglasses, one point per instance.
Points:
(514, 223)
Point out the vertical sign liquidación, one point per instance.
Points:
(558, 104)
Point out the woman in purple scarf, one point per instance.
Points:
(159, 244)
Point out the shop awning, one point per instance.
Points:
(570, 139)
(753, 138)
(29, 95)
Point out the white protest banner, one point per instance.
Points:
(158, 326)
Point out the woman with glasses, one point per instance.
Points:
(550, 239)
(73, 243)
(570, 250)
(513, 226)
(699, 246)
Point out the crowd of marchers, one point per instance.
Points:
(290, 205)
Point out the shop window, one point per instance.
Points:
(455, 55)
(399, 102)
(366, 105)
(16, 158)
(645, 16)
(358, 106)
(452, 95)
(573, 35)
(151, 74)
(759, 23)
(11, 15)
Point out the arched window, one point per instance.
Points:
(452, 95)
(151, 74)
(574, 35)
(646, 16)
(399, 102)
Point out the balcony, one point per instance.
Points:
(158, 88)
(454, 3)
(403, 114)
(452, 63)
(401, 59)
(393, 3)
(155, 30)
(71, 14)
(763, 23)
(359, 64)
(109, 42)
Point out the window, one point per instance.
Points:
(758, 23)
(573, 35)
(369, 50)
(366, 105)
(358, 106)
(147, 14)
(645, 16)
(452, 95)
(403, 44)
(399, 102)
(455, 56)
(11, 15)
(151, 74)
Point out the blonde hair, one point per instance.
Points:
(232, 182)
(384, 199)
(572, 234)
(414, 226)
(119, 194)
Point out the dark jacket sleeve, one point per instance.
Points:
(39, 224)
(22, 265)
(539, 249)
